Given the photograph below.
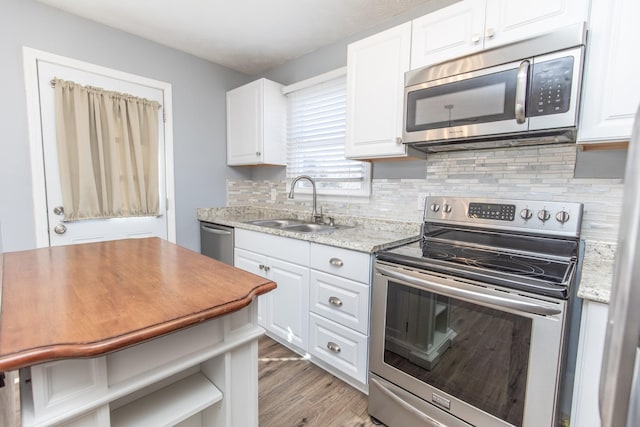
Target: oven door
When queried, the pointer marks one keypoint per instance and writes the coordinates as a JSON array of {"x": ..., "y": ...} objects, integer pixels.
[{"x": 481, "y": 355}]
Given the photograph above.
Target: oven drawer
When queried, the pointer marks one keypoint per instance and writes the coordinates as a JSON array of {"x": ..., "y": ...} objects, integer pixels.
[
  {"x": 396, "y": 407},
  {"x": 340, "y": 347},
  {"x": 341, "y": 300},
  {"x": 341, "y": 262}
]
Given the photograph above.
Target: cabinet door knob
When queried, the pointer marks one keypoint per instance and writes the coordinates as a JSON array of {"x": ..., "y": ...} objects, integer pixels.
[
  {"x": 333, "y": 347},
  {"x": 398, "y": 140},
  {"x": 490, "y": 33},
  {"x": 337, "y": 262},
  {"x": 475, "y": 38},
  {"x": 258, "y": 153},
  {"x": 335, "y": 301}
]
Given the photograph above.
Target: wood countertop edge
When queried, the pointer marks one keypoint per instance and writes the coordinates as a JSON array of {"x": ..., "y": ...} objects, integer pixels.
[{"x": 61, "y": 351}]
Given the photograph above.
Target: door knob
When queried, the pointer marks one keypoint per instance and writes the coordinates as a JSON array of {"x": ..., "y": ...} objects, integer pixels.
[
  {"x": 60, "y": 229},
  {"x": 58, "y": 210}
]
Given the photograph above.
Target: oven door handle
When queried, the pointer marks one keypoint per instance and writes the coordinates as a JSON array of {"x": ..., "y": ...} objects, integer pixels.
[{"x": 468, "y": 295}]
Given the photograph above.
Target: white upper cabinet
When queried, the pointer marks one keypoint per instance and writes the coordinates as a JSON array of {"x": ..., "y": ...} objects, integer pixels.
[
  {"x": 375, "y": 93},
  {"x": 453, "y": 31},
  {"x": 472, "y": 25},
  {"x": 611, "y": 89},
  {"x": 256, "y": 124},
  {"x": 511, "y": 20}
]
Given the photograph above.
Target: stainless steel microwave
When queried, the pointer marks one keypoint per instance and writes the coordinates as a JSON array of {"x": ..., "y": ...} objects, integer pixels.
[{"x": 522, "y": 93}]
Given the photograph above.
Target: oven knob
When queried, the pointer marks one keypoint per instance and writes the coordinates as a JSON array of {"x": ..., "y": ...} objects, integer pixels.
[
  {"x": 435, "y": 207},
  {"x": 526, "y": 214},
  {"x": 544, "y": 215},
  {"x": 446, "y": 208},
  {"x": 562, "y": 217}
]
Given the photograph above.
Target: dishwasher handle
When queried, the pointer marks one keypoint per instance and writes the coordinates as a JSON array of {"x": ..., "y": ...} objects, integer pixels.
[{"x": 215, "y": 231}]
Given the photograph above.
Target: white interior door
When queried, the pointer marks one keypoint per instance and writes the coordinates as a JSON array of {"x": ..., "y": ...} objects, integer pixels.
[{"x": 84, "y": 231}]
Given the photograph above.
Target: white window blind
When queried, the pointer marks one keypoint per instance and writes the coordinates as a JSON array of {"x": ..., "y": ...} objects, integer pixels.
[{"x": 315, "y": 140}]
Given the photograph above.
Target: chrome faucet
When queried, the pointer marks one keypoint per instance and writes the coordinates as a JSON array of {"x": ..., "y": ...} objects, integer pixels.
[{"x": 314, "y": 213}]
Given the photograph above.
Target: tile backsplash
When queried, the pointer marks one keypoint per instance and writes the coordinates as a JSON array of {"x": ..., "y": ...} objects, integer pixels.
[{"x": 533, "y": 173}]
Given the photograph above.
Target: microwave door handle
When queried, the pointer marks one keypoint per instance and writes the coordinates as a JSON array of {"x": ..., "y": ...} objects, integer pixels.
[{"x": 521, "y": 91}]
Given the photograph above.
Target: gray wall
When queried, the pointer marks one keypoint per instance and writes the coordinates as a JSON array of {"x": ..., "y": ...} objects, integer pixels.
[{"x": 199, "y": 89}]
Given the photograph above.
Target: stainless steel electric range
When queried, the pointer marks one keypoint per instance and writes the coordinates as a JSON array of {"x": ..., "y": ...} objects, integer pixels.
[{"x": 470, "y": 323}]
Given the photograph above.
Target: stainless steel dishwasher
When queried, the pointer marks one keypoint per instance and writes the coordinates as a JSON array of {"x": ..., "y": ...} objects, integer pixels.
[{"x": 216, "y": 241}]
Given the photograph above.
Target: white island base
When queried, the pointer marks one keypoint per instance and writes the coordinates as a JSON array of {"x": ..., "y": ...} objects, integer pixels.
[{"x": 204, "y": 375}]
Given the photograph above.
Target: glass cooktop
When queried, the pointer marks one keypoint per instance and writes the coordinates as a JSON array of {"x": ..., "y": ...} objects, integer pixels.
[{"x": 539, "y": 265}]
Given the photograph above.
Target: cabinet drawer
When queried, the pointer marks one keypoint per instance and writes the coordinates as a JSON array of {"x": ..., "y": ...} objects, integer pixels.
[
  {"x": 291, "y": 250},
  {"x": 341, "y": 347},
  {"x": 341, "y": 300},
  {"x": 341, "y": 262}
]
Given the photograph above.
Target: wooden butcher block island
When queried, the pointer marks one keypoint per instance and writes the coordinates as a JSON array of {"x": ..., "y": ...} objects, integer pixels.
[{"x": 130, "y": 332}]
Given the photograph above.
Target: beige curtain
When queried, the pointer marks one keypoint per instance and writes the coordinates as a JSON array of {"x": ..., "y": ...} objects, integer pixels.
[{"x": 107, "y": 152}]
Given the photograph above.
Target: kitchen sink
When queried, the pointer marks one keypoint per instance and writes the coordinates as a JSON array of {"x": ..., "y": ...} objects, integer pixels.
[
  {"x": 310, "y": 228},
  {"x": 276, "y": 223},
  {"x": 296, "y": 225}
]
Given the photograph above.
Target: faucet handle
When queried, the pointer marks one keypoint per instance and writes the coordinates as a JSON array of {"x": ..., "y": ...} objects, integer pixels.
[{"x": 317, "y": 217}]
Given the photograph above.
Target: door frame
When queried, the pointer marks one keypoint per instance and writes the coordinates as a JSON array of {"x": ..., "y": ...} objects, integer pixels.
[{"x": 38, "y": 183}]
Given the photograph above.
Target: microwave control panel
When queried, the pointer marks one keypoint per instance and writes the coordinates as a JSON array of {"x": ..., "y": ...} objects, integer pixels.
[{"x": 550, "y": 89}]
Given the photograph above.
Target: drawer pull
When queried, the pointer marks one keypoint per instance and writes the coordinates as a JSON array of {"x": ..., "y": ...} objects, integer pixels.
[
  {"x": 333, "y": 347},
  {"x": 335, "y": 301},
  {"x": 336, "y": 262}
]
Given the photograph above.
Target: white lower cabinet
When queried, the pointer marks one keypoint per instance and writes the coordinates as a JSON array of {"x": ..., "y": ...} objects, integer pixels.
[
  {"x": 342, "y": 300},
  {"x": 593, "y": 328},
  {"x": 205, "y": 375},
  {"x": 340, "y": 305},
  {"x": 284, "y": 312},
  {"x": 287, "y": 306},
  {"x": 342, "y": 348},
  {"x": 321, "y": 303}
]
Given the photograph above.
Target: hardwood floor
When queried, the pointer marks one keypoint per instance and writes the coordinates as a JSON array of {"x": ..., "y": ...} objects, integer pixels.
[{"x": 294, "y": 392}]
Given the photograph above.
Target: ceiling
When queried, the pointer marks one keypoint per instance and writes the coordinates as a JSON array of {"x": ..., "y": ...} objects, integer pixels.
[{"x": 249, "y": 36}]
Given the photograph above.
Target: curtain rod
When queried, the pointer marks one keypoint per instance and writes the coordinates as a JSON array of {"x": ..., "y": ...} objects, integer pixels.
[{"x": 52, "y": 82}]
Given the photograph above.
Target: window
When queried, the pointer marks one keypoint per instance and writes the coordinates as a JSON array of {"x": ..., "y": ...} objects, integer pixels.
[{"x": 316, "y": 130}]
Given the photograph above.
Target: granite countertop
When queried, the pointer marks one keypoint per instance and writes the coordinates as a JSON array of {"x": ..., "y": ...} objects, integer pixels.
[
  {"x": 363, "y": 234},
  {"x": 372, "y": 235},
  {"x": 90, "y": 299},
  {"x": 597, "y": 271}
]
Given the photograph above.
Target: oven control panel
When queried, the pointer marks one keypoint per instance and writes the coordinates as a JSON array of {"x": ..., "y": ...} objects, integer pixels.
[
  {"x": 544, "y": 217},
  {"x": 500, "y": 212}
]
